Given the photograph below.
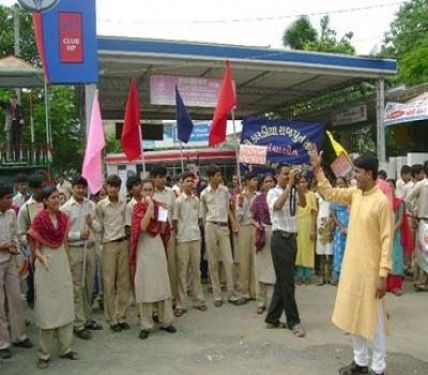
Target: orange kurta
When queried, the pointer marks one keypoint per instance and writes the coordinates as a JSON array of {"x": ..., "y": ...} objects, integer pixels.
[{"x": 367, "y": 256}]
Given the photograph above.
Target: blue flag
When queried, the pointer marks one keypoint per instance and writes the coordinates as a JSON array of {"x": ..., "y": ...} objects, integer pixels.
[{"x": 184, "y": 122}]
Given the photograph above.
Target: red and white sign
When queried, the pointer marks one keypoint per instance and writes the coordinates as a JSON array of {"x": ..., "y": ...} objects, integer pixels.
[
  {"x": 195, "y": 91},
  {"x": 251, "y": 154},
  {"x": 414, "y": 110},
  {"x": 71, "y": 43}
]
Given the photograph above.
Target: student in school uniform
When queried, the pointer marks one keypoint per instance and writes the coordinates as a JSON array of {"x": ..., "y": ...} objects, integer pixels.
[
  {"x": 186, "y": 224},
  {"x": 115, "y": 265}
]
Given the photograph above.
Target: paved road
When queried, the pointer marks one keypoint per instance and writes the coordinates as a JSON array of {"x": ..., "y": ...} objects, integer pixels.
[{"x": 233, "y": 340}]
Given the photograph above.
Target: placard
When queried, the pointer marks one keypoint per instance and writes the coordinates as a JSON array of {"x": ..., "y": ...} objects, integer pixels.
[
  {"x": 251, "y": 154},
  {"x": 341, "y": 166}
]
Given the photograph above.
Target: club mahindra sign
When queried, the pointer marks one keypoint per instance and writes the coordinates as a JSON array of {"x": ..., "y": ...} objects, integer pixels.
[{"x": 37, "y": 5}]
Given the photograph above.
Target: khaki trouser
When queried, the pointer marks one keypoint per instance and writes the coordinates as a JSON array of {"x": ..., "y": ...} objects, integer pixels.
[
  {"x": 189, "y": 253},
  {"x": 247, "y": 264},
  {"x": 48, "y": 337},
  {"x": 262, "y": 298},
  {"x": 164, "y": 310},
  {"x": 9, "y": 283},
  {"x": 218, "y": 248},
  {"x": 172, "y": 266},
  {"x": 82, "y": 298},
  {"x": 115, "y": 268}
]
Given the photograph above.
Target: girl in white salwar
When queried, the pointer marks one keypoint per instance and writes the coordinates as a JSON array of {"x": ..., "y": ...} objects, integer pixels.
[
  {"x": 148, "y": 264},
  {"x": 54, "y": 306}
]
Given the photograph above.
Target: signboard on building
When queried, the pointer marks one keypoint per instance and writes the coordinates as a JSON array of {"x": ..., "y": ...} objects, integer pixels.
[
  {"x": 351, "y": 115},
  {"x": 195, "y": 91},
  {"x": 414, "y": 110}
]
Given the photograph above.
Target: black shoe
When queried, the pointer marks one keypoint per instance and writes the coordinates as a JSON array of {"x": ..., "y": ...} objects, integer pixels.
[
  {"x": 124, "y": 326},
  {"x": 354, "y": 369},
  {"x": 371, "y": 372},
  {"x": 116, "y": 328},
  {"x": 238, "y": 302},
  {"x": 5, "y": 353},
  {"x": 27, "y": 344},
  {"x": 93, "y": 326},
  {"x": 218, "y": 303},
  {"x": 83, "y": 334},
  {"x": 143, "y": 334},
  {"x": 277, "y": 324},
  {"x": 169, "y": 329}
]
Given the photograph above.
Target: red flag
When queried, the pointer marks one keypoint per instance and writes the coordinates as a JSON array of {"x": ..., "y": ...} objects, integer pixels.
[
  {"x": 226, "y": 102},
  {"x": 130, "y": 138}
]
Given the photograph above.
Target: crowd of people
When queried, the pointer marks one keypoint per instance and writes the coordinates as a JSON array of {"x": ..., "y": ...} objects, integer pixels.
[{"x": 157, "y": 246}]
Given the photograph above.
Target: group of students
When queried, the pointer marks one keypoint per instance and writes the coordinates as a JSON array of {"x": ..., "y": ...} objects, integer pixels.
[{"x": 150, "y": 249}]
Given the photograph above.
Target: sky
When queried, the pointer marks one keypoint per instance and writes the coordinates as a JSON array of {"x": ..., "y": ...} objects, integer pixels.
[{"x": 242, "y": 22}]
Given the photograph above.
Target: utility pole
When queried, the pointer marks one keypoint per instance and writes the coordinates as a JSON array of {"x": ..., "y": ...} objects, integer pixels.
[{"x": 17, "y": 38}]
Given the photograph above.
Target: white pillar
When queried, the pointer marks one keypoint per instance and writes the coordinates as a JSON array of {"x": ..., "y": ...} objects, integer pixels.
[
  {"x": 89, "y": 99},
  {"x": 380, "y": 128}
]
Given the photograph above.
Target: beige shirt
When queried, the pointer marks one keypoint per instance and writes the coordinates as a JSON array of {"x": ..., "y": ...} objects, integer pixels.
[
  {"x": 65, "y": 188},
  {"x": 77, "y": 213},
  {"x": 417, "y": 200},
  {"x": 8, "y": 232},
  {"x": 112, "y": 219},
  {"x": 129, "y": 211},
  {"x": 215, "y": 204},
  {"x": 186, "y": 213},
  {"x": 243, "y": 213},
  {"x": 167, "y": 197},
  {"x": 26, "y": 215}
]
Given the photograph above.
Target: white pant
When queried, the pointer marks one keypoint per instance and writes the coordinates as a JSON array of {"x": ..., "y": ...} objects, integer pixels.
[{"x": 378, "y": 346}]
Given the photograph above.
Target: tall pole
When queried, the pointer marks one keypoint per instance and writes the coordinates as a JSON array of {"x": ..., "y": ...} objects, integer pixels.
[
  {"x": 17, "y": 38},
  {"x": 238, "y": 171},
  {"x": 380, "y": 110},
  {"x": 181, "y": 157},
  {"x": 142, "y": 150}
]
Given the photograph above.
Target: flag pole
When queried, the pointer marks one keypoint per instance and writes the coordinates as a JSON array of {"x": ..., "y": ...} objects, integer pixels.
[
  {"x": 181, "y": 157},
  {"x": 238, "y": 171},
  {"x": 142, "y": 151}
]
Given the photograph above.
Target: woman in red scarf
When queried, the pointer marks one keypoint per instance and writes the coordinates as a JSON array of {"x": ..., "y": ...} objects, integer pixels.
[
  {"x": 396, "y": 277},
  {"x": 148, "y": 263},
  {"x": 54, "y": 307}
]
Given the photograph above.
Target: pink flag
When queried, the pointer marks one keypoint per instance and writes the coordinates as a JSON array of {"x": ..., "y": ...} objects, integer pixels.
[{"x": 92, "y": 168}]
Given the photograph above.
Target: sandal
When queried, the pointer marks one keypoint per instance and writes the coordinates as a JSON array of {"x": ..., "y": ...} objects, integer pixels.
[
  {"x": 202, "y": 307},
  {"x": 178, "y": 312},
  {"x": 261, "y": 310},
  {"x": 74, "y": 356},
  {"x": 42, "y": 364}
]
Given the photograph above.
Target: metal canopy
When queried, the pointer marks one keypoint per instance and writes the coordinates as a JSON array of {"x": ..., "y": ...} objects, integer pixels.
[
  {"x": 265, "y": 78},
  {"x": 17, "y": 73}
]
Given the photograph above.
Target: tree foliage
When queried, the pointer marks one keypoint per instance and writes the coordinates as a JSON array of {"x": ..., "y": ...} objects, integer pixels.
[
  {"x": 329, "y": 42},
  {"x": 299, "y": 33},
  {"x": 67, "y": 141},
  {"x": 407, "y": 41},
  {"x": 302, "y": 35}
]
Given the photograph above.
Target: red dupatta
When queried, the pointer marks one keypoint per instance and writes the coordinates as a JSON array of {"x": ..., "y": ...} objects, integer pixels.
[
  {"x": 44, "y": 232},
  {"x": 154, "y": 228},
  {"x": 406, "y": 233}
]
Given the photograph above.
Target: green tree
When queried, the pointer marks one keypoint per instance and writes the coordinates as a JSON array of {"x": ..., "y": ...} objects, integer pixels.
[
  {"x": 407, "y": 41},
  {"x": 66, "y": 136},
  {"x": 302, "y": 35},
  {"x": 299, "y": 33},
  {"x": 328, "y": 41}
]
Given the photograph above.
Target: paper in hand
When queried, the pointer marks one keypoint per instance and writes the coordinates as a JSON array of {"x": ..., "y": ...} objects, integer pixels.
[{"x": 162, "y": 215}]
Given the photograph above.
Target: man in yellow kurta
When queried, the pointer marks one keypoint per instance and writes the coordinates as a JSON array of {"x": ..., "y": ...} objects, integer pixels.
[{"x": 367, "y": 261}]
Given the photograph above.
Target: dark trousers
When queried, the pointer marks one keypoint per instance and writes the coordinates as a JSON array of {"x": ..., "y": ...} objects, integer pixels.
[
  {"x": 15, "y": 139},
  {"x": 30, "y": 286},
  {"x": 283, "y": 299}
]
